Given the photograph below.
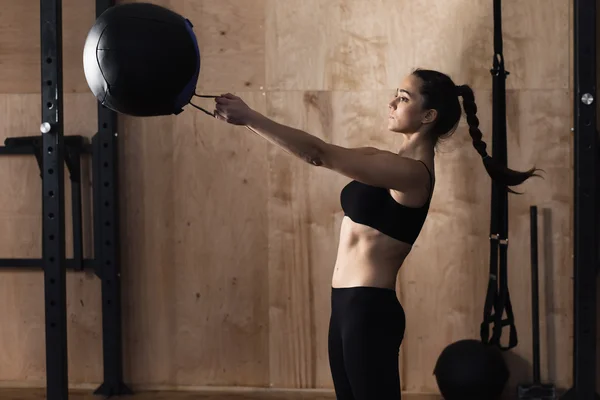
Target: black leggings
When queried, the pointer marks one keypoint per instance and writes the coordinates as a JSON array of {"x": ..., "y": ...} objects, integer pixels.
[{"x": 366, "y": 329}]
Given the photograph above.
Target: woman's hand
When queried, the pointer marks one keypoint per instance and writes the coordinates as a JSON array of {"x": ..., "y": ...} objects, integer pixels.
[{"x": 232, "y": 109}]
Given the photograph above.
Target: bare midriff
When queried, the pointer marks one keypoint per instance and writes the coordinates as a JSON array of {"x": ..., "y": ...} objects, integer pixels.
[{"x": 366, "y": 257}]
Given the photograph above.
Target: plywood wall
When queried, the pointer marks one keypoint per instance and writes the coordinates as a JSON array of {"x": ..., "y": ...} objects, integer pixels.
[{"x": 229, "y": 243}]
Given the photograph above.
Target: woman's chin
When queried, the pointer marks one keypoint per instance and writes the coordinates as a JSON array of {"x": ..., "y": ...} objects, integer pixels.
[{"x": 393, "y": 126}]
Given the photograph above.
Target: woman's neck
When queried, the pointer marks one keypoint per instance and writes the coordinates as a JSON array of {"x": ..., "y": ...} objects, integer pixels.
[{"x": 416, "y": 146}]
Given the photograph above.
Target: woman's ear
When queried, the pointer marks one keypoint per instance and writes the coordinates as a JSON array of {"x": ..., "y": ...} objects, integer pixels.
[{"x": 430, "y": 116}]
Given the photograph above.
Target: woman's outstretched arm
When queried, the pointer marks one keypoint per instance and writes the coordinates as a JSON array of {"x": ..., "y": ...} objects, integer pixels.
[{"x": 367, "y": 164}]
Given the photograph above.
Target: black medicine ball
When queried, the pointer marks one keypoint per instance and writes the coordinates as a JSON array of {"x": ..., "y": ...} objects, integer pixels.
[
  {"x": 471, "y": 370},
  {"x": 141, "y": 59}
]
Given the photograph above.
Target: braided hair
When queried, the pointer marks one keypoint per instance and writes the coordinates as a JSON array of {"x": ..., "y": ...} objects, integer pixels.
[{"x": 440, "y": 93}]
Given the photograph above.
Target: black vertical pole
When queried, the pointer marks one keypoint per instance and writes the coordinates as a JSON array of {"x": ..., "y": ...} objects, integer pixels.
[
  {"x": 107, "y": 242},
  {"x": 73, "y": 160},
  {"x": 107, "y": 251},
  {"x": 586, "y": 234},
  {"x": 53, "y": 206},
  {"x": 535, "y": 317}
]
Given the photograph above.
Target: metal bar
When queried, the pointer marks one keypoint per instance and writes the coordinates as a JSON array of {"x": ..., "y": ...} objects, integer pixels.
[
  {"x": 39, "y": 263},
  {"x": 30, "y": 149},
  {"x": 76, "y": 205},
  {"x": 23, "y": 141},
  {"x": 53, "y": 206},
  {"x": 107, "y": 249},
  {"x": 586, "y": 234},
  {"x": 108, "y": 252},
  {"x": 535, "y": 317},
  {"x": 21, "y": 150}
]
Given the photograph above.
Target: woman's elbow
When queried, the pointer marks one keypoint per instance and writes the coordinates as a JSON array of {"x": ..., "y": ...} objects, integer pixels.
[{"x": 320, "y": 156}]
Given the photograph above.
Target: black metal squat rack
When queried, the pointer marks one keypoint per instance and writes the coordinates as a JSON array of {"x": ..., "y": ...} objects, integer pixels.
[{"x": 53, "y": 150}]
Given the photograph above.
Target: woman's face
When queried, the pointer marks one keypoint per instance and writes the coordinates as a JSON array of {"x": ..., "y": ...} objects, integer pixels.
[{"x": 405, "y": 110}]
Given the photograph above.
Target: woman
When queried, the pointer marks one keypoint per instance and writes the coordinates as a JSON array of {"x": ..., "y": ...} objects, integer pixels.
[{"x": 385, "y": 206}]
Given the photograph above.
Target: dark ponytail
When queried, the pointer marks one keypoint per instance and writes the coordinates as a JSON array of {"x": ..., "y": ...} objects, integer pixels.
[
  {"x": 440, "y": 93},
  {"x": 498, "y": 172}
]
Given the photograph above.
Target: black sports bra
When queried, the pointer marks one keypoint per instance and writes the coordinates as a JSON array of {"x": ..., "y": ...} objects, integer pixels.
[{"x": 375, "y": 207}]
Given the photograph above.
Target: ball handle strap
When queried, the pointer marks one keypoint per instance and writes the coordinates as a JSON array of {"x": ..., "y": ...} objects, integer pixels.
[{"x": 200, "y": 108}]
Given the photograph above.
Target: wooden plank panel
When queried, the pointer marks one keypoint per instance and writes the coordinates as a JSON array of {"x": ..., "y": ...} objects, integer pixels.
[
  {"x": 373, "y": 52},
  {"x": 287, "y": 44},
  {"x": 195, "y": 265},
  {"x": 571, "y": 44},
  {"x": 20, "y": 45},
  {"x": 212, "y": 214},
  {"x": 304, "y": 221},
  {"x": 231, "y": 37},
  {"x": 292, "y": 289},
  {"x": 444, "y": 281},
  {"x": 307, "y": 50},
  {"x": 535, "y": 35}
]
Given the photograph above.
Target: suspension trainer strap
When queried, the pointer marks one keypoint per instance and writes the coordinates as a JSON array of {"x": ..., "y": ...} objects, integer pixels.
[{"x": 498, "y": 296}]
